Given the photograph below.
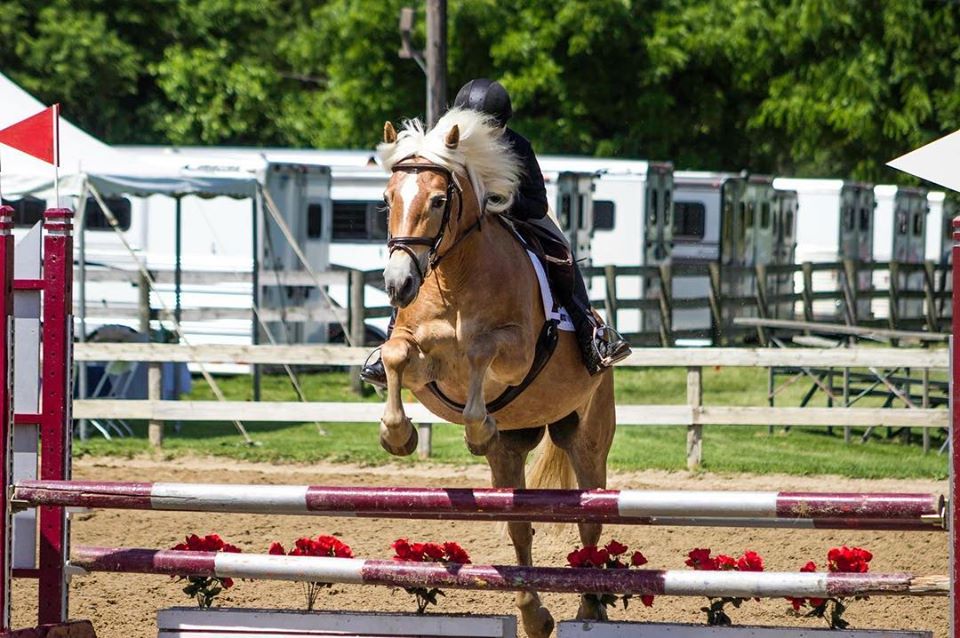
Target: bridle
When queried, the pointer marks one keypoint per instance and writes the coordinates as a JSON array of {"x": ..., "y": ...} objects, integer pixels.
[{"x": 406, "y": 243}]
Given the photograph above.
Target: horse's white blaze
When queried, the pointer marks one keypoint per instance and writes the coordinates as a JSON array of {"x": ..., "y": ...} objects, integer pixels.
[{"x": 408, "y": 192}]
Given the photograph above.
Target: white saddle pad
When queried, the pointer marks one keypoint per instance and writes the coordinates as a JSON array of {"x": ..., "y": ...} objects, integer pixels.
[{"x": 551, "y": 309}]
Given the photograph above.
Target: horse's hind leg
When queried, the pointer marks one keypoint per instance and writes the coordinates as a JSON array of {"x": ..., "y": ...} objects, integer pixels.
[
  {"x": 587, "y": 442},
  {"x": 507, "y": 457}
]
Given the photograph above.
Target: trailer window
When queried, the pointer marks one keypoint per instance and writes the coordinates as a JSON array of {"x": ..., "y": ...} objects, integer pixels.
[
  {"x": 849, "y": 221},
  {"x": 667, "y": 208},
  {"x": 27, "y": 211},
  {"x": 788, "y": 224},
  {"x": 917, "y": 224},
  {"x": 652, "y": 207},
  {"x": 765, "y": 215},
  {"x": 864, "y": 219},
  {"x": 97, "y": 219},
  {"x": 603, "y": 214},
  {"x": 689, "y": 221},
  {"x": 358, "y": 221},
  {"x": 314, "y": 221},
  {"x": 751, "y": 215}
]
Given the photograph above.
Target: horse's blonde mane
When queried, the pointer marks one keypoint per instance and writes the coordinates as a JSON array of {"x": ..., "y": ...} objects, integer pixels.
[{"x": 482, "y": 154}]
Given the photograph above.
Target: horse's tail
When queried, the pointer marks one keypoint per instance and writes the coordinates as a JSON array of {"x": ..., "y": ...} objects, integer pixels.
[{"x": 551, "y": 467}]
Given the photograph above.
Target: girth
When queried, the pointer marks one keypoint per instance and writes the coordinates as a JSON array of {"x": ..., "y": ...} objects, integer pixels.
[{"x": 546, "y": 344}]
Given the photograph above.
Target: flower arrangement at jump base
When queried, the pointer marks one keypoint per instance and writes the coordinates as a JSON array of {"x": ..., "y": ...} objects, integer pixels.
[
  {"x": 319, "y": 546},
  {"x": 839, "y": 559},
  {"x": 701, "y": 559},
  {"x": 205, "y": 588},
  {"x": 447, "y": 553},
  {"x": 611, "y": 556}
]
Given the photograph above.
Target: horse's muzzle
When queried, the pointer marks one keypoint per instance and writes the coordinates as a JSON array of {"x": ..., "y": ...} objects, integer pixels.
[{"x": 402, "y": 295}]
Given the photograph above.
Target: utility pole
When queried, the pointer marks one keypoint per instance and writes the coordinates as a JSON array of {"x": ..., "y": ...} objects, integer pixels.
[
  {"x": 433, "y": 59},
  {"x": 436, "y": 60}
]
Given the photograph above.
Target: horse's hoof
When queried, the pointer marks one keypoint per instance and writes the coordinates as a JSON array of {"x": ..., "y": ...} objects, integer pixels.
[
  {"x": 538, "y": 623},
  {"x": 404, "y": 450},
  {"x": 482, "y": 449},
  {"x": 591, "y": 609}
]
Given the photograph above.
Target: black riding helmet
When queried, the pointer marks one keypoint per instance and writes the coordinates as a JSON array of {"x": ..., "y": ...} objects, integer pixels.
[{"x": 486, "y": 96}]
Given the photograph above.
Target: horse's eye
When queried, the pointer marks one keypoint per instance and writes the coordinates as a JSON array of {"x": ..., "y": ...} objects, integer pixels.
[{"x": 438, "y": 201}]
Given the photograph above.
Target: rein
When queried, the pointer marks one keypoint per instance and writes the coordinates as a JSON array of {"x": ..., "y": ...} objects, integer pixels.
[{"x": 406, "y": 243}]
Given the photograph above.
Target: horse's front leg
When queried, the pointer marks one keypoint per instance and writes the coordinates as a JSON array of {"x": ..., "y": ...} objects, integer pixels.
[
  {"x": 480, "y": 429},
  {"x": 397, "y": 434}
]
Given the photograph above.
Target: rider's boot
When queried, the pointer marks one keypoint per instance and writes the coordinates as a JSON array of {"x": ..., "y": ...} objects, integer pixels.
[
  {"x": 374, "y": 372},
  {"x": 600, "y": 345}
]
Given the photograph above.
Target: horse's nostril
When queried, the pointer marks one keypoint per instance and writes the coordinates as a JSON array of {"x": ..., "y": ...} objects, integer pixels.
[{"x": 407, "y": 287}]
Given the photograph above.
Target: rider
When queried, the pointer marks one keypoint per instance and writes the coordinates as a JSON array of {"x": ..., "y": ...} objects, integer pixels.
[{"x": 600, "y": 345}]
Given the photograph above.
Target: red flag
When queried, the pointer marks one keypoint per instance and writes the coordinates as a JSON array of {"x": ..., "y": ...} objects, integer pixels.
[{"x": 38, "y": 135}]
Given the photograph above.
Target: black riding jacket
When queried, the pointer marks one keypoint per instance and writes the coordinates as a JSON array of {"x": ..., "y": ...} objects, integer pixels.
[{"x": 530, "y": 201}]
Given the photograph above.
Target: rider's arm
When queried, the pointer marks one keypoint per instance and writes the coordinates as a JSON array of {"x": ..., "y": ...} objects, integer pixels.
[{"x": 531, "y": 198}]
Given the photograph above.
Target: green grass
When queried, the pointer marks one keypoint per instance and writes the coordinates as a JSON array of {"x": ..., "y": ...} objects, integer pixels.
[{"x": 726, "y": 448}]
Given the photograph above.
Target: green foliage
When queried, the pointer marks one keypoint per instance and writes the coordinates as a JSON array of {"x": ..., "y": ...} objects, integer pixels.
[{"x": 805, "y": 87}]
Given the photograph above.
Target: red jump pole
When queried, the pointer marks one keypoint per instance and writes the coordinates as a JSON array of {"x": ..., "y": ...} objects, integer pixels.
[
  {"x": 954, "y": 514},
  {"x": 6, "y": 410},
  {"x": 55, "y": 421}
]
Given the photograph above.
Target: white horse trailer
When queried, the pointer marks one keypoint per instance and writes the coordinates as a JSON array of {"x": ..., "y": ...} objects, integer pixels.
[
  {"x": 632, "y": 225},
  {"x": 900, "y": 236},
  {"x": 730, "y": 220},
  {"x": 835, "y": 221}
]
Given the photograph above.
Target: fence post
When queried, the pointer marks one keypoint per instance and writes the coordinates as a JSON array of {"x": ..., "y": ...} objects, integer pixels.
[
  {"x": 143, "y": 305},
  {"x": 666, "y": 306},
  {"x": 694, "y": 431},
  {"x": 761, "y": 294},
  {"x": 424, "y": 440},
  {"x": 357, "y": 327},
  {"x": 807, "y": 268},
  {"x": 154, "y": 385},
  {"x": 847, "y": 433},
  {"x": 925, "y": 403},
  {"x": 716, "y": 303},
  {"x": 610, "y": 296},
  {"x": 848, "y": 284},
  {"x": 894, "y": 297},
  {"x": 928, "y": 293}
]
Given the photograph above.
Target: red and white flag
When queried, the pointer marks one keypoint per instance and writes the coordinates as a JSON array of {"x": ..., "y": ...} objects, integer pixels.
[{"x": 38, "y": 135}]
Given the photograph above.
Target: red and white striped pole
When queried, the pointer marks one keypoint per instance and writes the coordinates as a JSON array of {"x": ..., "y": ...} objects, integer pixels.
[
  {"x": 6, "y": 411},
  {"x": 505, "y": 577},
  {"x": 836, "y": 510},
  {"x": 55, "y": 421},
  {"x": 954, "y": 514}
]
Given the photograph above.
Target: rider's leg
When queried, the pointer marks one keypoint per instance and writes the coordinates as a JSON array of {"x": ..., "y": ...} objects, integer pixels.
[
  {"x": 600, "y": 345},
  {"x": 374, "y": 373}
]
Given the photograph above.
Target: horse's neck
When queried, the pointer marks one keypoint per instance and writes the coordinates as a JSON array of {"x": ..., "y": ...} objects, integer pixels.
[{"x": 490, "y": 263}]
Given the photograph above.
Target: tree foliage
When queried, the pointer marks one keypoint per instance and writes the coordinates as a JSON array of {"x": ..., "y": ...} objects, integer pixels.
[{"x": 805, "y": 87}]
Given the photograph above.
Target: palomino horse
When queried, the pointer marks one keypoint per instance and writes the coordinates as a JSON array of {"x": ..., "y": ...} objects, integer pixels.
[{"x": 470, "y": 313}]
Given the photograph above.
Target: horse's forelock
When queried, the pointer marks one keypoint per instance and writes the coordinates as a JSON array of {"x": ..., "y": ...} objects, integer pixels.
[{"x": 482, "y": 153}]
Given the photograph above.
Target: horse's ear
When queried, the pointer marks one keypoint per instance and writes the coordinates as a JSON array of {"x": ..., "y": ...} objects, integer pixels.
[
  {"x": 453, "y": 137},
  {"x": 389, "y": 133}
]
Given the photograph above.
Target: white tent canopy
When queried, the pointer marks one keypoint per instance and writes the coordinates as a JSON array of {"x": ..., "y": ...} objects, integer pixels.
[{"x": 83, "y": 158}]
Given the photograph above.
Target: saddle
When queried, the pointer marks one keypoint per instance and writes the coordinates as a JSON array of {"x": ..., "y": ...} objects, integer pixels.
[{"x": 554, "y": 255}]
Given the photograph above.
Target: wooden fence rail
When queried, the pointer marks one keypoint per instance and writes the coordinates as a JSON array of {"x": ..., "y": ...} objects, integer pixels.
[{"x": 693, "y": 414}]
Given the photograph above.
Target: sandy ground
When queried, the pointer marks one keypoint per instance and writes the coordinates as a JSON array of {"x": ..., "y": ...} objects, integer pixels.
[{"x": 123, "y": 606}]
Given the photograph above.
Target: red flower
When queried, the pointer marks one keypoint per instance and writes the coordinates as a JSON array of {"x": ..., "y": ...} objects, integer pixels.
[
  {"x": 725, "y": 563},
  {"x": 750, "y": 562},
  {"x": 809, "y": 567},
  {"x": 700, "y": 559},
  {"x": 226, "y": 582},
  {"x": 615, "y": 549},
  {"x": 433, "y": 551},
  {"x": 647, "y": 600},
  {"x": 578, "y": 558},
  {"x": 797, "y": 603},
  {"x": 849, "y": 559},
  {"x": 277, "y": 548},
  {"x": 209, "y": 543},
  {"x": 598, "y": 557},
  {"x": 455, "y": 553},
  {"x": 639, "y": 559},
  {"x": 405, "y": 551}
]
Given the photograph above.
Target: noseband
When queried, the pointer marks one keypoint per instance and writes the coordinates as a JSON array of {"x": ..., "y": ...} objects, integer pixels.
[{"x": 406, "y": 243}]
